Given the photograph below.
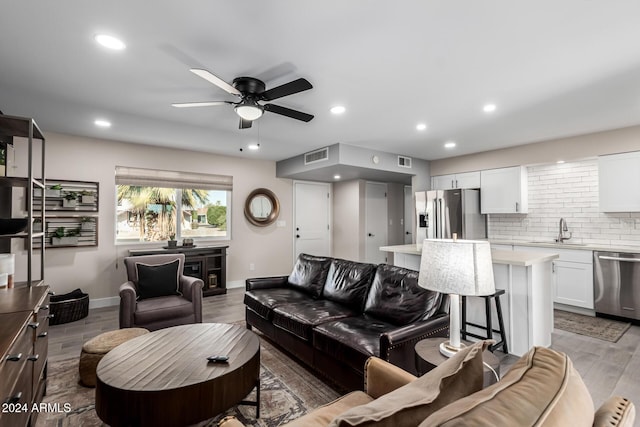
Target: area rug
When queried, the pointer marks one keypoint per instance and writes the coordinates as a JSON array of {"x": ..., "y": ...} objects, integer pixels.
[
  {"x": 287, "y": 392},
  {"x": 595, "y": 327}
]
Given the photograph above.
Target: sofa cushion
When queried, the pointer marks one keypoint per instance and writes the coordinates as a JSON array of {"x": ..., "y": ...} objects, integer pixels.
[
  {"x": 310, "y": 274},
  {"x": 395, "y": 296},
  {"x": 158, "y": 280},
  {"x": 263, "y": 301},
  {"x": 299, "y": 318},
  {"x": 351, "y": 340},
  {"x": 157, "y": 309},
  {"x": 408, "y": 405},
  {"x": 348, "y": 283},
  {"x": 542, "y": 384},
  {"x": 323, "y": 415}
]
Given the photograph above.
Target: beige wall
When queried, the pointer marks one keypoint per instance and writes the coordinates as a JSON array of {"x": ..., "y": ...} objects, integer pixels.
[
  {"x": 99, "y": 270},
  {"x": 567, "y": 149}
]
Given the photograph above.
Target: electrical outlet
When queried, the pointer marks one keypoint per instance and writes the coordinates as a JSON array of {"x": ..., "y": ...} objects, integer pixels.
[{"x": 252, "y": 267}]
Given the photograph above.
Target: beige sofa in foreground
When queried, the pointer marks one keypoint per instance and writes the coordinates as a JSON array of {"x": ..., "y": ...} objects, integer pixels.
[{"x": 541, "y": 389}]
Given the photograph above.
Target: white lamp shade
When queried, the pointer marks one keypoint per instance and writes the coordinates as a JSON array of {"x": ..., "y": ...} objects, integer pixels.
[
  {"x": 249, "y": 112},
  {"x": 461, "y": 267}
]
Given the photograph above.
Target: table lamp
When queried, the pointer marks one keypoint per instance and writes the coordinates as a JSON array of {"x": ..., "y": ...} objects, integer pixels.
[{"x": 456, "y": 267}]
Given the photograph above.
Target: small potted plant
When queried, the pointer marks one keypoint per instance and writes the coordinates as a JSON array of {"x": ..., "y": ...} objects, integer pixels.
[
  {"x": 172, "y": 242},
  {"x": 53, "y": 191},
  {"x": 70, "y": 199},
  {"x": 62, "y": 237},
  {"x": 87, "y": 197},
  {"x": 87, "y": 224}
]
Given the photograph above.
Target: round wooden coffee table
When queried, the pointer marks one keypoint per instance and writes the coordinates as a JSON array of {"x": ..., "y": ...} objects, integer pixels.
[{"x": 164, "y": 378}]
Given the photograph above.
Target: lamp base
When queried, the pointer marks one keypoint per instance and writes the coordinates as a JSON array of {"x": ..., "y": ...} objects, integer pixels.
[{"x": 448, "y": 350}]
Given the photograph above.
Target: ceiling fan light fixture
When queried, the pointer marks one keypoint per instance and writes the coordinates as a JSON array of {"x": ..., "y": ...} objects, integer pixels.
[{"x": 249, "y": 110}]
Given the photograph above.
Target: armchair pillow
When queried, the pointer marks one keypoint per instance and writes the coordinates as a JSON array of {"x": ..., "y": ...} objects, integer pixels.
[
  {"x": 457, "y": 377},
  {"x": 158, "y": 280}
]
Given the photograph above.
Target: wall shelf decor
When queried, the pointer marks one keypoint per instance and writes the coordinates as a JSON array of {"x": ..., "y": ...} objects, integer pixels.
[
  {"x": 68, "y": 196},
  {"x": 69, "y": 231}
]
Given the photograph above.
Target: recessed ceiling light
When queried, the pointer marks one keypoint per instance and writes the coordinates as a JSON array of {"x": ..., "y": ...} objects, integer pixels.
[
  {"x": 102, "y": 123},
  {"x": 336, "y": 176},
  {"x": 253, "y": 146},
  {"x": 489, "y": 108},
  {"x": 110, "y": 42},
  {"x": 560, "y": 162},
  {"x": 338, "y": 109},
  {"x": 449, "y": 144},
  {"x": 421, "y": 126}
]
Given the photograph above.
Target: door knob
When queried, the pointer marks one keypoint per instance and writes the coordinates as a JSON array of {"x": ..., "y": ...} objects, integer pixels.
[
  {"x": 407, "y": 232},
  {"x": 371, "y": 235},
  {"x": 297, "y": 236}
]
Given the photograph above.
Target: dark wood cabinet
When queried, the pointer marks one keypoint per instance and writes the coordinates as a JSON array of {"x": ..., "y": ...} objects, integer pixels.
[
  {"x": 24, "y": 315},
  {"x": 208, "y": 263}
]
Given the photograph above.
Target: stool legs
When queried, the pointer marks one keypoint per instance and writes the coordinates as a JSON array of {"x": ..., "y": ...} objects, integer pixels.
[{"x": 489, "y": 321}]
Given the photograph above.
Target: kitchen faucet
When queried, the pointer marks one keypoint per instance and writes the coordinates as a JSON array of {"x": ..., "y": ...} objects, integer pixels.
[{"x": 563, "y": 229}]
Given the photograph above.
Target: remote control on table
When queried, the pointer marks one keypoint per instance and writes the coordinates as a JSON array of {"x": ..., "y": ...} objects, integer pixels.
[{"x": 218, "y": 359}]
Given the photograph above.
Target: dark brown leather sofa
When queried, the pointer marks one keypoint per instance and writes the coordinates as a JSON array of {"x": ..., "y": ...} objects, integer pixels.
[{"x": 333, "y": 314}]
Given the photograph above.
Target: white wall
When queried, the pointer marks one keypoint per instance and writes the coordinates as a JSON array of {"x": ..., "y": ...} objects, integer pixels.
[
  {"x": 346, "y": 220},
  {"x": 99, "y": 270},
  {"x": 568, "y": 190}
]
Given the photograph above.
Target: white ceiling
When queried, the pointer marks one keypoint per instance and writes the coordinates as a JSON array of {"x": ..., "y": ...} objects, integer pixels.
[{"x": 553, "y": 68}]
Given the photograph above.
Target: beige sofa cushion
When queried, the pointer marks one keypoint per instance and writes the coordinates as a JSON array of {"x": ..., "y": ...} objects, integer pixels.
[
  {"x": 540, "y": 389},
  {"x": 408, "y": 405},
  {"x": 323, "y": 415}
]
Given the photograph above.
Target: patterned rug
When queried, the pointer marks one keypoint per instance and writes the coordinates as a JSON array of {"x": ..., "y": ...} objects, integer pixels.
[
  {"x": 287, "y": 391},
  {"x": 595, "y": 327}
]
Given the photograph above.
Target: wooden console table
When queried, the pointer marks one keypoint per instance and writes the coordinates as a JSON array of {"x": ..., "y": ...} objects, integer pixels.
[{"x": 208, "y": 263}]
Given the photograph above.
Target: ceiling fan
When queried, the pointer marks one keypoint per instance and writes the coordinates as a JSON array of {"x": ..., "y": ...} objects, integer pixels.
[{"x": 250, "y": 91}]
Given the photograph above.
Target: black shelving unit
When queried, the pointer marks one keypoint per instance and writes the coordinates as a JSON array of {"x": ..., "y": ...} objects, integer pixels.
[{"x": 15, "y": 131}]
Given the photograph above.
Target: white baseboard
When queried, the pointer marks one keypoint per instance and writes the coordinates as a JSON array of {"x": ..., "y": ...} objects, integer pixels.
[
  {"x": 235, "y": 284},
  {"x": 104, "y": 302}
]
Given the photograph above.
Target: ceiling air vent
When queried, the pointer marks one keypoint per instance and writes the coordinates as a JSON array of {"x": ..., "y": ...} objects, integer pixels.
[
  {"x": 404, "y": 162},
  {"x": 316, "y": 156}
]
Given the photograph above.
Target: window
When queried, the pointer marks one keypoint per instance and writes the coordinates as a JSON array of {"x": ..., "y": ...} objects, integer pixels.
[{"x": 155, "y": 205}]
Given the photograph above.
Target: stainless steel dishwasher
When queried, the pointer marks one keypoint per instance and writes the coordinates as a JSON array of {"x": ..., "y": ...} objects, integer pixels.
[{"x": 616, "y": 278}]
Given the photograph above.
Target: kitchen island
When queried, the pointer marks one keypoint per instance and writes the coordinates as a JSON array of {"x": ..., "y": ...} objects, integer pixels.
[{"x": 527, "y": 304}]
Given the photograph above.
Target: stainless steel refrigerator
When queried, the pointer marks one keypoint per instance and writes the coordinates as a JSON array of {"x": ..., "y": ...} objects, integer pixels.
[{"x": 440, "y": 213}]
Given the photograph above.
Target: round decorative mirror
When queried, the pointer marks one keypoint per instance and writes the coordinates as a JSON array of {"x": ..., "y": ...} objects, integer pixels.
[{"x": 262, "y": 207}]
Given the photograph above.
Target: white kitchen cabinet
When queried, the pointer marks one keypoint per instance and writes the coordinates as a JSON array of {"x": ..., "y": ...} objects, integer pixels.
[
  {"x": 572, "y": 275},
  {"x": 618, "y": 177},
  {"x": 458, "y": 180},
  {"x": 504, "y": 190}
]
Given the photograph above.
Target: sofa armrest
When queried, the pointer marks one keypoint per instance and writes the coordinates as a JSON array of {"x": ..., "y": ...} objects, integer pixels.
[
  {"x": 266, "y": 282},
  {"x": 398, "y": 346},
  {"x": 615, "y": 411},
  {"x": 230, "y": 421},
  {"x": 127, "y": 304},
  {"x": 381, "y": 377},
  {"x": 191, "y": 287}
]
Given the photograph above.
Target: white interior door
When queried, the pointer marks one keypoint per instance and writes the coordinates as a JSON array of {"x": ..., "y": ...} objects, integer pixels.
[
  {"x": 312, "y": 218},
  {"x": 409, "y": 211},
  {"x": 375, "y": 194}
]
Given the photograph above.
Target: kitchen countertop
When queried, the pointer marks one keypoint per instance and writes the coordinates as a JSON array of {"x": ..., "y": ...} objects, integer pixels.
[
  {"x": 521, "y": 258},
  {"x": 570, "y": 245}
]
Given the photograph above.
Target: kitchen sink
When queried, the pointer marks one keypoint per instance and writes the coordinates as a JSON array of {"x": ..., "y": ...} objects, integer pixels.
[{"x": 559, "y": 244}]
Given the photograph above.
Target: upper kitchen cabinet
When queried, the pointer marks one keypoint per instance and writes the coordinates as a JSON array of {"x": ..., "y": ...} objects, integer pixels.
[
  {"x": 504, "y": 190},
  {"x": 458, "y": 180},
  {"x": 617, "y": 174}
]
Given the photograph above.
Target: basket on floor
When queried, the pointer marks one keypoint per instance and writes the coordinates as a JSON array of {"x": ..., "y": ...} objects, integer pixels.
[{"x": 69, "y": 307}]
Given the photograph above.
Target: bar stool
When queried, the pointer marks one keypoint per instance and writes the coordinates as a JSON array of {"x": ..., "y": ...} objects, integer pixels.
[{"x": 489, "y": 327}]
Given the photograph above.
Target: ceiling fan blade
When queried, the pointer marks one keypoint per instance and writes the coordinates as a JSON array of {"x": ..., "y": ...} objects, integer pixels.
[
  {"x": 245, "y": 124},
  {"x": 298, "y": 115},
  {"x": 200, "y": 104},
  {"x": 286, "y": 89},
  {"x": 215, "y": 80}
]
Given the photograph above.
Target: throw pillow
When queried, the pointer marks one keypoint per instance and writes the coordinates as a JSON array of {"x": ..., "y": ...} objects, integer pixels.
[
  {"x": 457, "y": 377},
  {"x": 541, "y": 389},
  {"x": 157, "y": 280}
]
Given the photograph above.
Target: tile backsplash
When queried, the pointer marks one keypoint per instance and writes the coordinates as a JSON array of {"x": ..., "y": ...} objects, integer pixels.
[{"x": 569, "y": 191}]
